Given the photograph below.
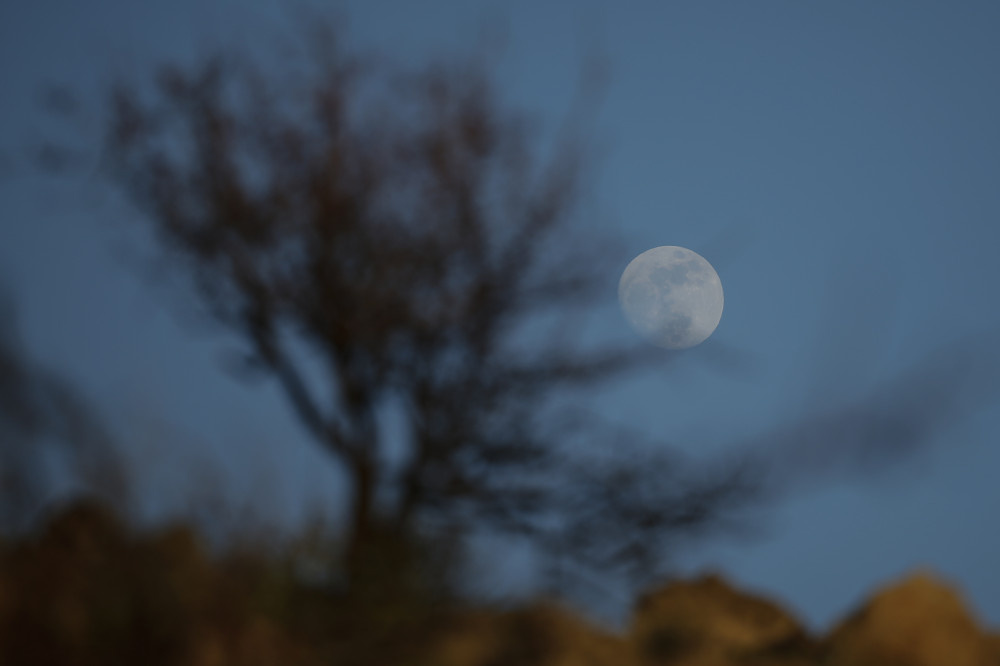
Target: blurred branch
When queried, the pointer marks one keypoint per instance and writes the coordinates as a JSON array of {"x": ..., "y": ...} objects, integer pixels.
[
  {"x": 893, "y": 422},
  {"x": 42, "y": 415}
]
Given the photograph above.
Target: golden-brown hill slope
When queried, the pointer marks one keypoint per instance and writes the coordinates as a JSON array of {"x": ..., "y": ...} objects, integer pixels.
[{"x": 87, "y": 591}]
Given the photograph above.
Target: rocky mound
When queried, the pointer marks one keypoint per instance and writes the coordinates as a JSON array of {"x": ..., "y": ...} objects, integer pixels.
[
  {"x": 919, "y": 621},
  {"x": 706, "y": 621}
]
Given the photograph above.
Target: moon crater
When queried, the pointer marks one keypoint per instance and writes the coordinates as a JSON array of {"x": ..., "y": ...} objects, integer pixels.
[{"x": 671, "y": 296}]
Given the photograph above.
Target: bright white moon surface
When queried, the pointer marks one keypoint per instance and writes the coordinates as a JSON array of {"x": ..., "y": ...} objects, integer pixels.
[{"x": 671, "y": 296}]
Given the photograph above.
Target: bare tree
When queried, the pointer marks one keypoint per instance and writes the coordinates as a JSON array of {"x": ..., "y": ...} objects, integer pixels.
[{"x": 375, "y": 236}]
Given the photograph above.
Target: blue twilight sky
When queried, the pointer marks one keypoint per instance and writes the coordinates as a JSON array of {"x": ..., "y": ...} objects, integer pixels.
[{"x": 838, "y": 163}]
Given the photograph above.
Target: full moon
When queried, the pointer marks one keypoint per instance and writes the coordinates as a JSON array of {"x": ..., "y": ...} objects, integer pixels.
[{"x": 671, "y": 296}]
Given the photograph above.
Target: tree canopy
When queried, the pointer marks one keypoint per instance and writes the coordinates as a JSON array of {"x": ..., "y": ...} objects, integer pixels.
[{"x": 375, "y": 235}]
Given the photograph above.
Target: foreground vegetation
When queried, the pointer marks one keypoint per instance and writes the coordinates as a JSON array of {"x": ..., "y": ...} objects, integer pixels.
[{"x": 85, "y": 590}]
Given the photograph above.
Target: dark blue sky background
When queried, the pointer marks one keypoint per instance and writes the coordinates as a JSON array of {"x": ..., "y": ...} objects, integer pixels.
[{"x": 838, "y": 163}]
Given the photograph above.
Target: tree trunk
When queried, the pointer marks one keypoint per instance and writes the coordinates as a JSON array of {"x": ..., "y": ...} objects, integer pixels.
[{"x": 362, "y": 531}]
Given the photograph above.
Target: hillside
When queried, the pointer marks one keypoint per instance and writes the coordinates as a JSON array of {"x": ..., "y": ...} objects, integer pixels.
[{"x": 85, "y": 590}]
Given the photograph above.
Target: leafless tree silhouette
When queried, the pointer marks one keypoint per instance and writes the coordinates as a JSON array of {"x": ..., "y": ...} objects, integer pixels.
[{"x": 375, "y": 236}]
